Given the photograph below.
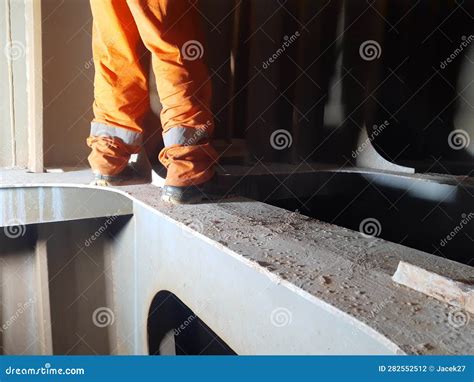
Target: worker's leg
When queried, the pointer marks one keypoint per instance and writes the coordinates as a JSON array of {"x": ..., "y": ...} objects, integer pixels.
[
  {"x": 120, "y": 87},
  {"x": 170, "y": 30}
]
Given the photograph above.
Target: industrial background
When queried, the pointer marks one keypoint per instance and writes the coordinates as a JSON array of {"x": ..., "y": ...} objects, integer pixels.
[{"x": 320, "y": 90}]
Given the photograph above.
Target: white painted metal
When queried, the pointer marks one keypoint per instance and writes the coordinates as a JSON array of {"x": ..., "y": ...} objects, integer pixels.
[{"x": 266, "y": 281}]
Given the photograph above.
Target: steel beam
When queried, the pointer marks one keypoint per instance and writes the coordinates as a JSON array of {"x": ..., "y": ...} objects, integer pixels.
[{"x": 265, "y": 280}]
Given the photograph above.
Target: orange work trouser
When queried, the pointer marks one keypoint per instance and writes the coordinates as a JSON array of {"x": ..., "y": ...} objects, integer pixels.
[{"x": 122, "y": 33}]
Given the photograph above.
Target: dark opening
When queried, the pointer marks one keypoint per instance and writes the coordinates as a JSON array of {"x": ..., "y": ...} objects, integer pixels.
[
  {"x": 172, "y": 323},
  {"x": 408, "y": 211}
]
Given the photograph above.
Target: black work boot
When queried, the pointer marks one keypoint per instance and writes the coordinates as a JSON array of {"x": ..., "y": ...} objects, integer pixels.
[
  {"x": 211, "y": 190},
  {"x": 182, "y": 195}
]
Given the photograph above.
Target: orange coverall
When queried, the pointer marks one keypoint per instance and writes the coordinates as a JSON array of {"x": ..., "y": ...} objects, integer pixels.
[{"x": 122, "y": 32}]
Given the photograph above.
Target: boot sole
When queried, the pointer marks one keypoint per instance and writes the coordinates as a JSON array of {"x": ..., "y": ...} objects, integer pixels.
[{"x": 179, "y": 201}]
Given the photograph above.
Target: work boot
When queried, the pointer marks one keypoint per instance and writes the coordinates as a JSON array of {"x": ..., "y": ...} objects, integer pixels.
[
  {"x": 190, "y": 172},
  {"x": 193, "y": 194},
  {"x": 182, "y": 195},
  {"x": 128, "y": 176},
  {"x": 115, "y": 163}
]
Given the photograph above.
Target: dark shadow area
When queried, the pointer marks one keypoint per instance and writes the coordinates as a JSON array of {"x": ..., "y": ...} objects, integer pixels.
[
  {"x": 174, "y": 329},
  {"x": 408, "y": 211},
  {"x": 426, "y": 84},
  {"x": 324, "y": 88}
]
